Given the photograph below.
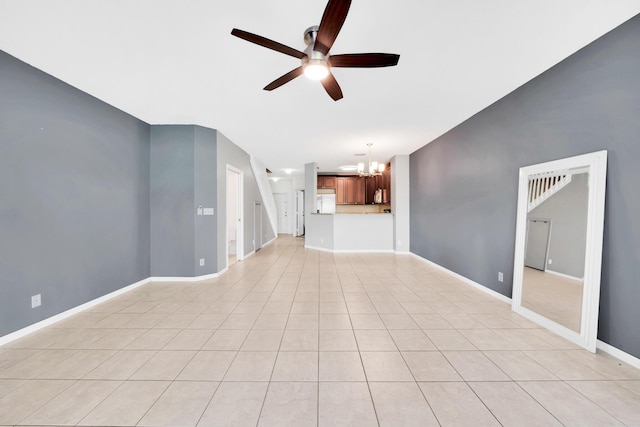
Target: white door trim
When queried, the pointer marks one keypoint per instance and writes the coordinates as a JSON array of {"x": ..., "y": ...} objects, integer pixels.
[{"x": 240, "y": 210}]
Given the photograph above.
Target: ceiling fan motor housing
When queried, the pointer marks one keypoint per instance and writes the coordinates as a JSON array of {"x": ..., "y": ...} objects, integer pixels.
[
  {"x": 313, "y": 57},
  {"x": 310, "y": 35}
]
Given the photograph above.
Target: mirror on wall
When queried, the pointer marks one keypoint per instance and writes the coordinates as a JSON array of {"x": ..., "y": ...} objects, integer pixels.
[{"x": 558, "y": 251}]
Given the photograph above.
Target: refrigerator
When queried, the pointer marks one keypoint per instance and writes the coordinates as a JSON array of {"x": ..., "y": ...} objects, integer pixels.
[{"x": 326, "y": 203}]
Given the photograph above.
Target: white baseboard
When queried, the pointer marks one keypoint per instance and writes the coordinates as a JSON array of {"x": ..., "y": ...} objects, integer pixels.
[
  {"x": 65, "y": 314},
  {"x": 263, "y": 245},
  {"x": 566, "y": 276},
  {"x": 270, "y": 241},
  {"x": 90, "y": 304},
  {"x": 350, "y": 251},
  {"x": 187, "y": 279},
  {"x": 466, "y": 280},
  {"x": 618, "y": 354},
  {"x": 360, "y": 251},
  {"x": 252, "y": 253},
  {"x": 315, "y": 248},
  {"x": 600, "y": 345}
]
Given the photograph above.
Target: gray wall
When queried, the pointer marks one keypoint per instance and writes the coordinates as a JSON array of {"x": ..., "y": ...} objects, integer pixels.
[
  {"x": 310, "y": 189},
  {"x": 183, "y": 177},
  {"x": 93, "y": 200},
  {"x": 172, "y": 201},
  {"x": 206, "y": 194},
  {"x": 567, "y": 210},
  {"x": 464, "y": 184},
  {"x": 74, "y": 196},
  {"x": 231, "y": 154}
]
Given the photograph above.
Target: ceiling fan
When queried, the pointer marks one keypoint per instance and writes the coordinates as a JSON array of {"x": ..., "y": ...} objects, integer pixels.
[{"x": 316, "y": 60}]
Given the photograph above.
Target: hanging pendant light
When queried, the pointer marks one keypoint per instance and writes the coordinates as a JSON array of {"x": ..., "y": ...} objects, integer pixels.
[{"x": 374, "y": 169}]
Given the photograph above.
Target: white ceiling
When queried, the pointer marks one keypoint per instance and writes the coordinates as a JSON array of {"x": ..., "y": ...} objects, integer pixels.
[{"x": 175, "y": 62}]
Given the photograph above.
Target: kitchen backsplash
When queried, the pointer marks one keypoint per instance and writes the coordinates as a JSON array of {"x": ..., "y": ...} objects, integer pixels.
[{"x": 362, "y": 208}]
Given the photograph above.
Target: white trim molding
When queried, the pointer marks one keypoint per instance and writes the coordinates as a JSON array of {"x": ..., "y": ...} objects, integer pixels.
[
  {"x": 269, "y": 242},
  {"x": 188, "y": 279},
  {"x": 600, "y": 345},
  {"x": 20, "y": 333},
  {"x": 618, "y": 354},
  {"x": 566, "y": 276},
  {"x": 466, "y": 280},
  {"x": 319, "y": 249},
  {"x": 352, "y": 251},
  {"x": 360, "y": 251}
]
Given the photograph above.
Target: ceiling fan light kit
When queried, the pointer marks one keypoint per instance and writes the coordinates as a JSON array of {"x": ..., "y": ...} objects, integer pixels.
[{"x": 316, "y": 63}]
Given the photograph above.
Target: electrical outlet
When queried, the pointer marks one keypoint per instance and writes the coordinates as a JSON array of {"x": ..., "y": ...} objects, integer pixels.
[
  {"x": 201, "y": 262},
  {"x": 322, "y": 240},
  {"x": 500, "y": 276},
  {"x": 550, "y": 261},
  {"x": 36, "y": 301},
  {"x": 399, "y": 242}
]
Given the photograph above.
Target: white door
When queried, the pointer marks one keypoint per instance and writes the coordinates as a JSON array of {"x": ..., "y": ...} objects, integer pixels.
[
  {"x": 538, "y": 232},
  {"x": 300, "y": 213},
  {"x": 282, "y": 206},
  {"x": 235, "y": 213},
  {"x": 232, "y": 212},
  {"x": 257, "y": 226}
]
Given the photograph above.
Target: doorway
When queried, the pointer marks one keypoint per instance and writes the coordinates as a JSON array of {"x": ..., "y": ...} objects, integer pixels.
[
  {"x": 257, "y": 226},
  {"x": 299, "y": 229},
  {"x": 234, "y": 229},
  {"x": 538, "y": 234},
  {"x": 282, "y": 206}
]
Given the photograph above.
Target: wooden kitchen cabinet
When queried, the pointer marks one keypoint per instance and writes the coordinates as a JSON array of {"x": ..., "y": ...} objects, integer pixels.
[
  {"x": 372, "y": 183},
  {"x": 360, "y": 190},
  {"x": 386, "y": 184},
  {"x": 341, "y": 191},
  {"x": 326, "y": 181},
  {"x": 350, "y": 190}
]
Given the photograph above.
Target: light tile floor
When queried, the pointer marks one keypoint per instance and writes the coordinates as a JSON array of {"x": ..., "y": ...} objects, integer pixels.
[
  {"x": 555, "y": 297},
  {"x": 294, "y": 337}
]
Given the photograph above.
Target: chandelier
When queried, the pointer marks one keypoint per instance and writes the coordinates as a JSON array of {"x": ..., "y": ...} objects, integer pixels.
[{"x": 375, "y": 168}]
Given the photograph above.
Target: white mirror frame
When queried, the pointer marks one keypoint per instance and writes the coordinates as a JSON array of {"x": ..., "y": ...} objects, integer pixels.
[{"x": 597, "y": 164}]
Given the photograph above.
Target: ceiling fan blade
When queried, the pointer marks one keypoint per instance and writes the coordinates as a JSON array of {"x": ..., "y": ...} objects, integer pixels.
[
  {"x": 364, "y": 60},
  {"x": 332, "y": 87},
  {"x": 284, "y": 79},
  {"x": 265, "y": 42},
  {"x": 332, "y": 19}
]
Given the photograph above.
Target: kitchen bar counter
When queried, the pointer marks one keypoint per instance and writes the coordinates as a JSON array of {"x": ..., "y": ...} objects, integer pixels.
[{"x": 350, "y": 232}]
